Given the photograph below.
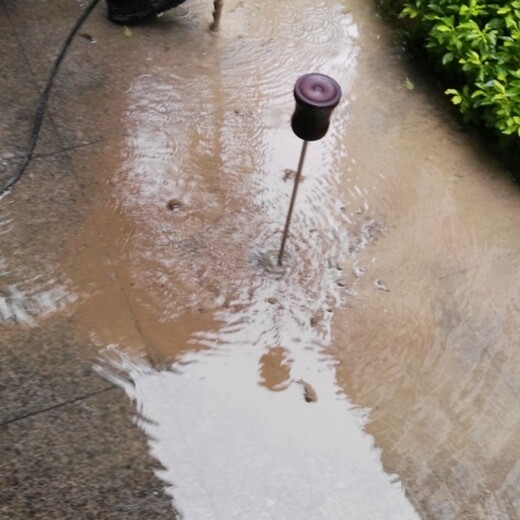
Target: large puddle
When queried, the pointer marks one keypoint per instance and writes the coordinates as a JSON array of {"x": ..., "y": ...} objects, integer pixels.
[
  {"x": 245, "y": 415},
  {"x": 376, "y": 363}
]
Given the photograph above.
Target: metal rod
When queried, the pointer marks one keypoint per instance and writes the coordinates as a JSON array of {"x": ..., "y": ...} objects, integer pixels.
[{"x": 293, "y": 199}]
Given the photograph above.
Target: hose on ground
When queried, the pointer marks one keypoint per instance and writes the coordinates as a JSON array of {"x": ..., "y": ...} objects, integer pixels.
[{"x": 43, "y": 100}]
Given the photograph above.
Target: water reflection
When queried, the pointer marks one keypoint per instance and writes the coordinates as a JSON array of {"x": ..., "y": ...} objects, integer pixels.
[
  {"x": 216, "y": 140},
  {"x": 252, "y": 424},
  {"x": 246, "y": 418}
]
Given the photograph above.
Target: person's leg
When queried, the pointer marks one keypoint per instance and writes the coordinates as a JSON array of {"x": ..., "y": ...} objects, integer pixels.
[
  {"x": 129, "y": 12},
  {"x": 217, "y": 11}
]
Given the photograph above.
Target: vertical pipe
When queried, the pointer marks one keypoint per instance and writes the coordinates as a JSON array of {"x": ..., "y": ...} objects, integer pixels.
[{"x": 293, "y": 199}]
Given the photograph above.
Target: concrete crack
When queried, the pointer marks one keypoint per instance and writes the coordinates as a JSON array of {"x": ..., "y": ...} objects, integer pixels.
[{"x": 59, "y": 405}]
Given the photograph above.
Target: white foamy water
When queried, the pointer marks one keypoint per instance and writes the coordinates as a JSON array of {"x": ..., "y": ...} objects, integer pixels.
[
  {"x": 19, "y": 305},
  {"x": 233, "y": 449}
]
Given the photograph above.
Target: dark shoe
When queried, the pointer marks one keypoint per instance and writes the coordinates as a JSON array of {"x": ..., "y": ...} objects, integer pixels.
[{"x": 131, "y": 12}]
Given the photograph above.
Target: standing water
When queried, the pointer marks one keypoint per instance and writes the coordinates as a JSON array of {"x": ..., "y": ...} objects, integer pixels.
[
  {"x": 384, "y": 357},
  {"x": 245, "y": 415}
]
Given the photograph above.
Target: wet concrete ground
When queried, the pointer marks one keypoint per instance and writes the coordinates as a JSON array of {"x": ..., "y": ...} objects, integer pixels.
[{"x": 377, "y": 378}]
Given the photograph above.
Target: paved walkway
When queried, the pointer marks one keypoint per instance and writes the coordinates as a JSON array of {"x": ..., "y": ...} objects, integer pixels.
[
  {"x": 87, "y": 253},
  {"x": 68, "y": 445}
]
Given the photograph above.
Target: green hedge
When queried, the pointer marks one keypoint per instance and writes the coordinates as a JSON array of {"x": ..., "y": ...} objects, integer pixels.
[{"x": 475, "y": 46}]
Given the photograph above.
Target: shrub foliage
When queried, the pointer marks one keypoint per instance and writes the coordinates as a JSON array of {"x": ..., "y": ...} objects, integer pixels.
[{"x": 476, "y": 46}]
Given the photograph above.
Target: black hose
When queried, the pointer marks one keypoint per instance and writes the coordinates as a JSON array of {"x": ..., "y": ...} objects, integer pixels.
[{"x": 44, "y": 98}]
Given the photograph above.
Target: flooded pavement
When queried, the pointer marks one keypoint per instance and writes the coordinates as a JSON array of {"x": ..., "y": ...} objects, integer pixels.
[
  {"x": 378, "y": 375},
  {"x": 253, "y": 424}
]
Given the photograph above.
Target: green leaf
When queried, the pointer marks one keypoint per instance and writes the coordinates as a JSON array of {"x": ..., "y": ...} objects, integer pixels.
[
  {"x": 410, "y": 12},
  {"x": 409, "y": 84},
  {"x": 447, "y": 58},
  {"x": 456, "y": 98},
  {"x": 127, "y": 32}
]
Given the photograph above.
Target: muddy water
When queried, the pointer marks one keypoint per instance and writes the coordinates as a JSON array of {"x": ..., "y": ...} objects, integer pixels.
[
  {"x": 243, "y": 409},
  {"x": 271, "y": 396},
  {"x": 377, "y": 376},
  {"x": 240, "y": 399}
]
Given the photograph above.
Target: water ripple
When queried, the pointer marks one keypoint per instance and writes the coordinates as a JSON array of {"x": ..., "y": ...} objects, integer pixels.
[{"x": 255, "y": 425}]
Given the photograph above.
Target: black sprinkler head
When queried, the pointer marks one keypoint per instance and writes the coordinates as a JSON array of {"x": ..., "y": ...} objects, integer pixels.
[{"x": 317, "y": 95}]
